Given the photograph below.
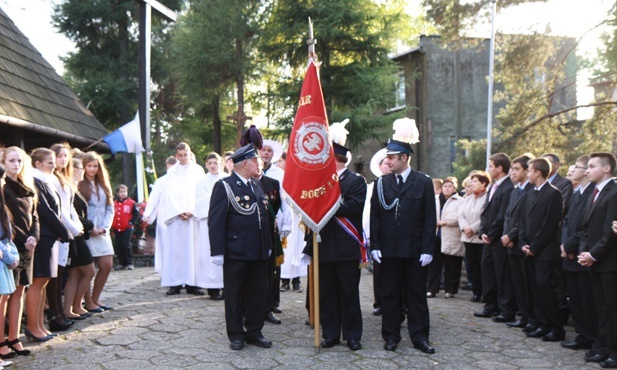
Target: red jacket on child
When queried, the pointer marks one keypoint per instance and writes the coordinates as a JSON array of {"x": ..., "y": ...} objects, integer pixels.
[{"x": 125, "y": 214}]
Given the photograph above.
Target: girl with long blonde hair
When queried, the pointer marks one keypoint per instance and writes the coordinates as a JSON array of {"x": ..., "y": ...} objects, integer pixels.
[{"x": 96, "y": 188}]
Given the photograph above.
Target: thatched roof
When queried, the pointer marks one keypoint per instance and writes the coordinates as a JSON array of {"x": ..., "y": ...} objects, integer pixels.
[{"x": 35, "y": 98}]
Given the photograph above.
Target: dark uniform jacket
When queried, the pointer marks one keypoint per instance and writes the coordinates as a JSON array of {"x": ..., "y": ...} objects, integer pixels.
[
  {"x": 513, "y": 215},
  {"x": 491, "y": 221},
  {"x": 565, "y": 187},
  {"x": 571, "y": 228},
  {"x": 540, "y": 224},
  {"x": 233, "y": 234},
  {"x": 598, "y": 237},
  {"x": 407, "y": 230},
  {"x": 336, "y": 244}
]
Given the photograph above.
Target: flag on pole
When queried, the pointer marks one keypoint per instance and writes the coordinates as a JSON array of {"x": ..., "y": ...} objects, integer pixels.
[
  {"x": 311, "y": 182},
  {"x": 126, "y": 139}
]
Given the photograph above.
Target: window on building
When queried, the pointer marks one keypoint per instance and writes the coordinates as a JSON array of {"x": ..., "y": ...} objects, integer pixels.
[{"x": 399, "y": 97}]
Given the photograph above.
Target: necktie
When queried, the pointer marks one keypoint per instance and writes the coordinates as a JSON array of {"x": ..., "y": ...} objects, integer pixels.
[
  {"x": 400, "y": 182},
  {"x": 595, "y": 194},
  {"x": 520, "y": 190}
]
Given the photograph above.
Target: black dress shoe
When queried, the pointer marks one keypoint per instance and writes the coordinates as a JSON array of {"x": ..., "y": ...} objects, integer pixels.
[
  {"x": 194, "y": 290},
  {"x": 377, "y": 311},
  {"x": 329, "y": 342},
  {"x": 538, "y": 333},
  {"x": 530, "y": 328},
  {"x": 596, "y": 357},
  {"x": 517, "y": 324},
  {"x": 236, "y": 345},
  {"x": 574, "y": 345},
  {"x": 502, "y": 318},
  {"x": 276, "y": 310},
  {"x": 424, "y": 347},
  {"x": 106, "y": 307},
  {"x": 272, "y": 319},
  {"x": 390, "y": 345},
  {"x": 554, "y": 336},
  {"x": 354, "y": 344},
  {"x": 173, "y": 290},
  {"x": 609, "y": 363},
  {"x": 95, "y": 310},
  {"x": 285, "y": 287},
  {"x": 485, "y": 313},
  {"x": 475, "y": 298},
  {"x": 60, "y": 326},
  {"x": 216, "y": 297},
  {"x": 260, "y": 342}
]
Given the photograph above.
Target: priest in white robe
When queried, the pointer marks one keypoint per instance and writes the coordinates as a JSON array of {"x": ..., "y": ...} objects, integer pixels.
[
  {"x": 179, "y": 249},
  {"x": 211, "y": 275}
]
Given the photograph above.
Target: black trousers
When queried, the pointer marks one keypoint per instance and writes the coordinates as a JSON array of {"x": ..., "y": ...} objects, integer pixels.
[
  {"x": 519, "y": 270},
  {"x": 123, "y": 247},
  {"x": 452, "y": 272},
  {"x": 604, "y": 287},
  {"x": 582, "y": 307},
  {"x": 435, "y": 268},
  {"x": 246, "y": 289},
  {"x": 404, "y": 280},
  {"x": 339, "y": 294},
  {"x": 544, "y": 295},
  {"x": 497, "y": 281},
  {"x": 473, "y": 252},
  {"x": 274, "y": 274}
]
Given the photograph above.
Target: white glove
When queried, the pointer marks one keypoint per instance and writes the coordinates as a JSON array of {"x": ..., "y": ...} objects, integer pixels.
[
  {"x": 284, "y": 234},
  {"x": 218, "y": 260},
  {"x": 376, "y": 256},
  {"x": 425, "y": 259},
  {"x": 305, "y": 259}
]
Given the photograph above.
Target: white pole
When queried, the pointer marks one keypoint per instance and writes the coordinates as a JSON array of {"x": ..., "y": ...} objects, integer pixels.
[
  {"x": 139, "y": 167},
  {"x": 489, "y": 119}
]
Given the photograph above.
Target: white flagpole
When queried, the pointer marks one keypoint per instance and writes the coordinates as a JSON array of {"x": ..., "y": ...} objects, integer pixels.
[
  {"x": 139, "y": 167},
  {"x": 489, "y": 120}
]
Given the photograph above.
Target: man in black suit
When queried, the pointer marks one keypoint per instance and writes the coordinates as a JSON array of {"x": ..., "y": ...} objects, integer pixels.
[
  {"x": 340, "y": 252},
  {"x": 578, "y": 279},
  {"x": 598, "y": 250},
  {"x": 403, "y": 222},
  {"x": 554, "y": 178},
  {"x": 517, "y": 261},
  {"x": 272, "y": 190},
  {"x": 497, "y": 289},
  {"x": 240, "y": 240},
  {"x": 539, "y": 234}
]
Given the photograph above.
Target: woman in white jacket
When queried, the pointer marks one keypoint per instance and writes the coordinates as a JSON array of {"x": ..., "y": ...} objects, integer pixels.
[
  {"x": 451, "y": 245},
  {"x": 469, "y": 223},
  {"x": 63, "y": 186}
]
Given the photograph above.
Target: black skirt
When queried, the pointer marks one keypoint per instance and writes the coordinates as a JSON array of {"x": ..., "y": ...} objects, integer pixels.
[
  {"x": 79, "y": 254},
  {"x": 42, "y": 257}
]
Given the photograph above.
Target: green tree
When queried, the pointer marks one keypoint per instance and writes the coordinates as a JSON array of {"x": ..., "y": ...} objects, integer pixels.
[{"x": 354, "y": 38}]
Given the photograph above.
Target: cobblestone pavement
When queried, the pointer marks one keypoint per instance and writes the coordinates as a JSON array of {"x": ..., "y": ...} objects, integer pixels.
[{"x": 149, "y": 330}]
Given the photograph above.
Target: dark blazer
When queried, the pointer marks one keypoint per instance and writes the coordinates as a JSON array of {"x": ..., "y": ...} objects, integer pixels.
[
  {"x": 235, "y": 235},
  {"x": 20, "y": 202},
  {"x": 539, "y": 226},
  {"x": 336, "y": 244},
  {"x": 49, "y": 214},
  {"x": 81, "y": 206},
  {"x": 571, "y": 228},
  {"x": 491, "y": 221},
  {"x": 513, "y": 215},
  {"x": 598, "y": 237},
  {"x": 409, "y": 229},
  {"x": 565, "y": 187}
]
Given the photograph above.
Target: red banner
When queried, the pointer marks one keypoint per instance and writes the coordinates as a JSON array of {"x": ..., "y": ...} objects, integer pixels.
[{"x": 310, "y": 182}]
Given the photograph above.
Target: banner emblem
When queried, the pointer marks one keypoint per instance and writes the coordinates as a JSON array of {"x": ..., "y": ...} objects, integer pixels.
[{"x": 311, "y": 142}]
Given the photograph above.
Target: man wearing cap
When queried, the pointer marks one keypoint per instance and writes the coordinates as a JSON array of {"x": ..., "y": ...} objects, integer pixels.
[
  {"x": 403, "y": 222},
  {"x": 340, "y": 252},
  {"x": 240, "y": 241}
]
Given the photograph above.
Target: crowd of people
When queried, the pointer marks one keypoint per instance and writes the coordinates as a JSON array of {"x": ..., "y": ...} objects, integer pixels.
[{"x": 538, "y": 249}]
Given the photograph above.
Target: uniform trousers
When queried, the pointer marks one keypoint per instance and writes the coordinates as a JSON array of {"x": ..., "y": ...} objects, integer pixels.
[
  {"x": 582, "y": 307},
  {"x": 404, "y": 280},
  {"x": 340, "y": 300},
  {"x": 519, "y": 270},
  {"x": 544, "y": 295},
  {"x": 604, "y": 287},
  {"x": 496, "y": 280},
  {"x": 473, "y": 252},
  {"x": 246, "y": 289}
]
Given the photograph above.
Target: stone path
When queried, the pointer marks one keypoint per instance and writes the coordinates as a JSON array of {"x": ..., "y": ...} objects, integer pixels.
[{"x": 149, "y": 330}]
